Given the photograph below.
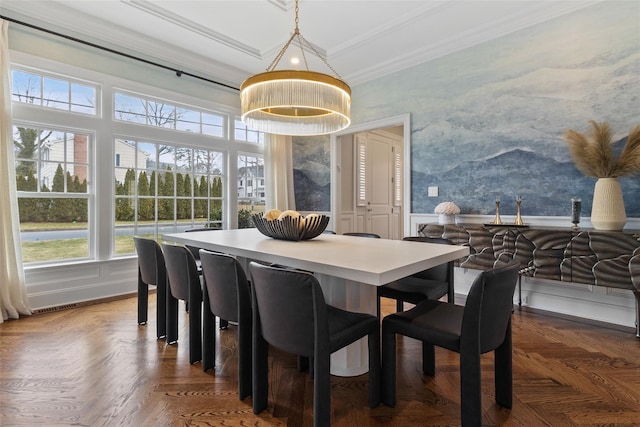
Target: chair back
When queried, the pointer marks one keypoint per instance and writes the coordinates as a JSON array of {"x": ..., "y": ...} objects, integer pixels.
[
  {"x": 181, "y": 270},
  {"x": 487, "y": 312},
  {"x": 226, "y": 285},
  {"x": 288, "y": 303},
  {"x": 151, "y": 265},
  {"x": 442, "y": 272},
  {"x": 359, "y": 234}
]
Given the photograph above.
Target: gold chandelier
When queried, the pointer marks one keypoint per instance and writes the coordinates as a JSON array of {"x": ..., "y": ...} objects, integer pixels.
[{"x": 295, "y": 102}]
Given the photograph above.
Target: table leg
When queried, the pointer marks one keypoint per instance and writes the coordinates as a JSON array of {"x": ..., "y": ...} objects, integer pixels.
[{"x": 353, "y": 359}]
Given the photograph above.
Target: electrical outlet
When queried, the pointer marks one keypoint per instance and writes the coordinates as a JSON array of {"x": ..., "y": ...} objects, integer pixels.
[{"x": 432, "y": 191}]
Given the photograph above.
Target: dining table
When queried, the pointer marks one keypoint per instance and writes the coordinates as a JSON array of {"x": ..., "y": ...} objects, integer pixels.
[{"x": 348, "y": 268}]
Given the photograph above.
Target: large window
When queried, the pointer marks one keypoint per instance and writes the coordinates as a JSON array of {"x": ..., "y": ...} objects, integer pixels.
[
  {"x": 100, "y": 159},
  {"x": 165, "y": 188},
  {"x": 53, "y": 177}
]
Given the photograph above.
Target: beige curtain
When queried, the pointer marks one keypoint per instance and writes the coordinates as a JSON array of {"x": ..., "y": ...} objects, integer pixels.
[
  {"x": 278, "y": 169},
  {"x": 13, "y": 293}
]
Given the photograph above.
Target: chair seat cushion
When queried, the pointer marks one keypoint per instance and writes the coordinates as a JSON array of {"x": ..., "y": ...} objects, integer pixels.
[
  {"x": 346, "y": 327},
  {"x": 413, "y": 289},
  {"x": 431, "y": 321}
]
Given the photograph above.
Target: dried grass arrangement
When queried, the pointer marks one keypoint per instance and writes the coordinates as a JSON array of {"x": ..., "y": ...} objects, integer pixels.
[{"x": 593, "y": 155}]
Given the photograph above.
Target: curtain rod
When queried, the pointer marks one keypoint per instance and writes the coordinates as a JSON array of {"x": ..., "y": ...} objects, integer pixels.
[{"x": 178, "y": 72}]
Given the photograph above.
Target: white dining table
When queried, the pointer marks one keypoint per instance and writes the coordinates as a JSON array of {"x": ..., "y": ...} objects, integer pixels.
[{"x": 348, "y": 268}]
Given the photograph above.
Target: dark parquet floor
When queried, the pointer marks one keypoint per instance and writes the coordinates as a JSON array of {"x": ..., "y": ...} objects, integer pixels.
[{"x": 94, "y": 366}]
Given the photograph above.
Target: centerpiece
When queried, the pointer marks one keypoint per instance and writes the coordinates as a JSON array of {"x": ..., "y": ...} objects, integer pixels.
[
  {"x": 290, "y": 224},
  {"x": 593, "y": 156}
]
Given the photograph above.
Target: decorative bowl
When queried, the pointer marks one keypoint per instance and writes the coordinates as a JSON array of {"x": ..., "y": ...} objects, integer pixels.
[{"x": 289, "y": 228}]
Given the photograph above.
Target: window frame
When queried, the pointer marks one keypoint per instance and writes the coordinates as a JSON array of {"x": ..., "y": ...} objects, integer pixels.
[{"x": 104, "y": 128}]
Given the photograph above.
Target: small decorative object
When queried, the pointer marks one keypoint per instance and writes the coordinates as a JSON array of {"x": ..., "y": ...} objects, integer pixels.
[
  {"x": 576, "y": 207},
  {"x": 593, "y": 156},
  {"x": 518, "y": 217},
  {"x": 291, "y": 225},
  {"x": 447, "y": 212},
  {"x": 497, "y": 219}
]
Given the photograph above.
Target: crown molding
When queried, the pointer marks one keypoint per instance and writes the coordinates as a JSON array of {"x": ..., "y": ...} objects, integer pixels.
[{"x": 170, "y": 17}]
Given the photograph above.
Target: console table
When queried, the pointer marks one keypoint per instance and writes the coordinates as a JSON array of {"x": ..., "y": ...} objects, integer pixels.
[{"x": 587, "y": 256}]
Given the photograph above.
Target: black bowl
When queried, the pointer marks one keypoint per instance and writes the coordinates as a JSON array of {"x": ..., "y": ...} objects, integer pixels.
[{"x": 289, "y": 228}]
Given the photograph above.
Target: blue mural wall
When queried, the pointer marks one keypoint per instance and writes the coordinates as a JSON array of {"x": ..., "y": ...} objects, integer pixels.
[
  {"x": 487, "y": 121},
  {"x": 312, "y": 173}
]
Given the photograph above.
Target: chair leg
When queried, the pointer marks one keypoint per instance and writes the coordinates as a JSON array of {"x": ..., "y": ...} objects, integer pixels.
[
  {"x": 303, "y": 363},
  {"x": 244, "y": 359},
  {"x": 378, "y": 306},
  {"x": 428, "y": 359},
  {"x": 388, "y": 365},
  {"x": 208, "y": 337},
  {"x": 399, "y": 306},
  {"x": 195, "y": 325},
  {"x": 143, "y": 300},
  {"x": 223, "y": 324},
  {"x": 172, "y": 319},
  {"x": 322, "y": 390},
  {"x": 470, "y": 389},
  {"x": 504, "y": 371},
  {"x": 161, "y": 308},
  {"x": 260, "y": 373},
  {"x": 375, "y": 392}
]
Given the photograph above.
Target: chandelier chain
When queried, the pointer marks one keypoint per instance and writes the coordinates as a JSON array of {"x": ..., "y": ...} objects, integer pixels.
[{"x": 301, "y": 42}]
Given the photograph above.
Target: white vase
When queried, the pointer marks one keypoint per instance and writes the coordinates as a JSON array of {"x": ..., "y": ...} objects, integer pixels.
[
  {"x": 607, "y": 210},
  {"x": 446, "y": 219}
]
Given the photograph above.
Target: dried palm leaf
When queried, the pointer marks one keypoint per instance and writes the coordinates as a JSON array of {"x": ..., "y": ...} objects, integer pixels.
[
  {"x": 593, "y": 156},
  {"x": 629, "y": 162}
]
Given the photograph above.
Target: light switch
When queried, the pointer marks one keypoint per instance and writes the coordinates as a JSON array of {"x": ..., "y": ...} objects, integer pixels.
[{"x": 432, "y": 191}]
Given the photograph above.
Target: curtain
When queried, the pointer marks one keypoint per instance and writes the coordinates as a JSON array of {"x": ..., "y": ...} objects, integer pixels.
[
  {"x": 278, "y": 169},
  {"x": 13, "y": 293}
]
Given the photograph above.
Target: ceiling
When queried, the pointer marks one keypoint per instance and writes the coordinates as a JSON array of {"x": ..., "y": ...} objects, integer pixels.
[{"x": 229, "y": 40}]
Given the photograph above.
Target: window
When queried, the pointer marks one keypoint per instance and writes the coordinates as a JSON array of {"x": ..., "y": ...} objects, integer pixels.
[
  {"x": 250, "y": 170},
  {"x": 53, "y": 92},
  {"x": 53, "y": 178},
  {"x": 243, "y": 133},
  {"x": 167, "y": 171},
  {"x": 152, "y": 112},
  {"x": 164, "y": 188}
]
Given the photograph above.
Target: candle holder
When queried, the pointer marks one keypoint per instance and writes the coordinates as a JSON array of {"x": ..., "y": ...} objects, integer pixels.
[
  {"x": 576, "y": 207},
  {"x": 497, "y": 219},
  {"x": 518, "y": 217}
]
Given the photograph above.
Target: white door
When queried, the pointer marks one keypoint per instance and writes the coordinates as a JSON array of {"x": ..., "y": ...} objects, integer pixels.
[{"x": 378, "y": 184}]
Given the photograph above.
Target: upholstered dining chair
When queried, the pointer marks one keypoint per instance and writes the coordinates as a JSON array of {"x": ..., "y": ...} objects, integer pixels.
[
  {"x": 185, "y": 285},
  {"x": 227, "y": 295},
  {"x": 482, "y": 325},
  {"x": 290, "y": 313},
  {"x": 151, "y": 271},
  {"x": 432, "y": 283},
  {"x": 196, "y": 254}
]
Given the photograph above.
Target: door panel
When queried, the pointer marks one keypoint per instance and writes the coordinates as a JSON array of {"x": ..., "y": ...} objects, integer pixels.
[{"x": 378, "y": 175}]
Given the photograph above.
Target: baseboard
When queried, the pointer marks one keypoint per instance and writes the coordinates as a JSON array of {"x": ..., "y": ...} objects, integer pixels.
[
  {"x": 86, "y": 303},
  {"x": 576, "y": 319}
]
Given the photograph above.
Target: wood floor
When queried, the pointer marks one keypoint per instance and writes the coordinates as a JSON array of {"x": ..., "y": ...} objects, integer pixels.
[{"x": 94, "y": 366}]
